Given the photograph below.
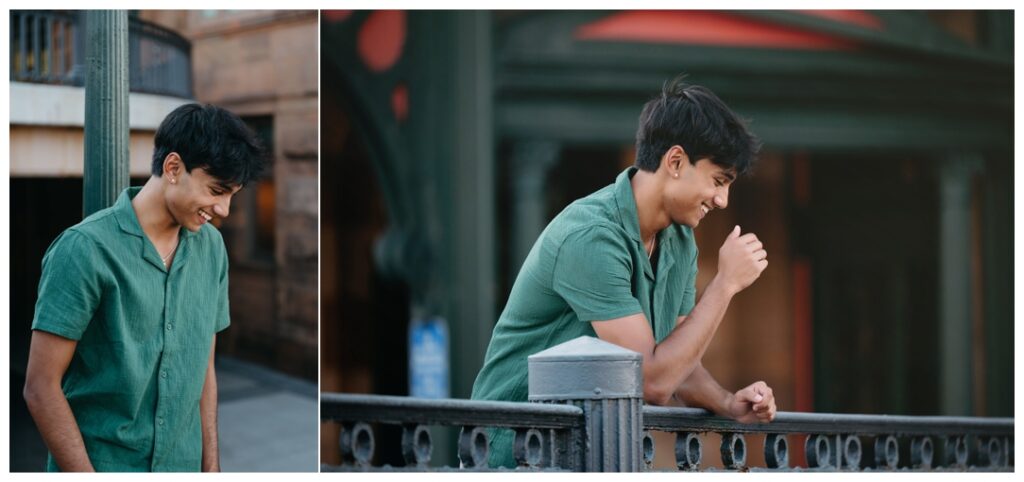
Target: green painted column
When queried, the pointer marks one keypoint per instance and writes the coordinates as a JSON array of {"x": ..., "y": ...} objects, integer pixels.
[
  {"x": 955, "y": 280},
  {"x": 473, "y": 248},
  {"x": 531, "y": 161},
  {"x": 106, "y": 109}
]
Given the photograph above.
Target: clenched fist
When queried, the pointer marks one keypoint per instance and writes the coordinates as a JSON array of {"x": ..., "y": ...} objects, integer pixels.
[
  {"x": 753, "y": 404},
  {"x": 741, "y": 259}
]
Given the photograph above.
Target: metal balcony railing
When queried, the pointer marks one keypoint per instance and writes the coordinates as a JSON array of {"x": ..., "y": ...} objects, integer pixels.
[
  {"x": 49, "y": 47},
  {"x": 592, "y": 418}
]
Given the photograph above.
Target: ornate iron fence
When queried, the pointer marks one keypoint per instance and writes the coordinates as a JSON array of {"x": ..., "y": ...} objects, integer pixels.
[
  {"x": 49, "y": 47},
  {"x": 591, "y": 418}
]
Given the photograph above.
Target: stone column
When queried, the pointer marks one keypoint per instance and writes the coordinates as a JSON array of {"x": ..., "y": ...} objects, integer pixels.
[
  {"x": 106, "y": 109},
  {"x": 606, "y": 381},
  {"x": 955, "y": 282}
]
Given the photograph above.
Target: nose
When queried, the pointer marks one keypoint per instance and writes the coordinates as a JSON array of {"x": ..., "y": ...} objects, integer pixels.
[
  {"x": 222, "y": 208},
  {"x": 722, "y": 197}
]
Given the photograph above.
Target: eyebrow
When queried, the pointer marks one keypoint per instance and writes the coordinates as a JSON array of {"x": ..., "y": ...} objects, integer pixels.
[{"x": 730, "y": 175}]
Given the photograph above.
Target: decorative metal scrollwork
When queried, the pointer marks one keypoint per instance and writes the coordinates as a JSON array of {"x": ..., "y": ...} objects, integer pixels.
[
  {"x": 776, "y": 451},
  {"x": 956, "y": 451},
  {"x": 647, "y": 450},
  {"x": 357, "y": 443},
  {"x": 734, "y": 451},
  {"x": 416, "y": 445},
  {"x": 852, "y": 452},
  {"x": 528, "y": 448},
  {"x": 474, "y": 446},
  {"x": 921, "y": 452},
  {"x": 887, "y": 452},
  {"x": 819, "y": 451},
  {"x": 688, "y": 451},
  {"x": 990, "y": 452}
]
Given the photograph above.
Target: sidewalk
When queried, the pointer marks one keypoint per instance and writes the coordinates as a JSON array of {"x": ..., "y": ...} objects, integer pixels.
[{"x": 268, "y": 422}]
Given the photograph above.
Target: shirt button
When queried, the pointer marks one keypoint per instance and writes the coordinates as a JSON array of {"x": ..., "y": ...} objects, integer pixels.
[
  {"x": 163, "y": 374},
  {"x": 170, "y": 327},
  {"x": 160, "y": 421}
]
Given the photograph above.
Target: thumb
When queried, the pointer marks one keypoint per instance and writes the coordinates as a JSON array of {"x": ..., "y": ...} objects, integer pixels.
[
  {"x": 749, "y": 395},
  {"x": 735, "y": 232}
]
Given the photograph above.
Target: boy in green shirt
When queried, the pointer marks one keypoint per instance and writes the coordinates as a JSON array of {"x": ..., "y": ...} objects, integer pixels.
[
  {"x": 621, "y": 265},
  {"x": 129, "y": 303}
]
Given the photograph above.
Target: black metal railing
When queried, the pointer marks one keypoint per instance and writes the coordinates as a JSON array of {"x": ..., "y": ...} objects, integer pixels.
[
  {"x": 843, "y": 441},
  {"x": 49, "y": 47},
  {"x": 551, "y": 437},
  {"x": 545, "y": 434},
  {"x": 586, "y": 413}
]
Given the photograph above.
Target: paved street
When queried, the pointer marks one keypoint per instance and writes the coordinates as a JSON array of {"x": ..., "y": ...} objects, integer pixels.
[{"x": 268, "y": 422}]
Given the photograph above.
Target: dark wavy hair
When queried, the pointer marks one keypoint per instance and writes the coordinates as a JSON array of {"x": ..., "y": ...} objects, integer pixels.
[
  {"x": 694, "y": 118},
  {"x": 212, "y": 138}
]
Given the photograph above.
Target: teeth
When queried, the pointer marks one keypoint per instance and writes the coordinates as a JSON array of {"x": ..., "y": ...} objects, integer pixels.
[
  {"x": 204, "y": 215},
  {"x": 704, "y": 209}
]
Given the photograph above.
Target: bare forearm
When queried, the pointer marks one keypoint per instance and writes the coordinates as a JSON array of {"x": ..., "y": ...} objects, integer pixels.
[
  {"x": 701, "y": 390},
  {"x": 208, "y": 414},
  {"x": 677, "y": 356},
  {"x": 58, "y": 427}
]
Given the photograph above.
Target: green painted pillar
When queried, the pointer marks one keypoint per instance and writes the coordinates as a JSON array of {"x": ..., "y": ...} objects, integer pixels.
[
  {"x": 955, "y": 280},
  {"x": 531, "y": 161},
  {"x": 473, "y": 248},
  {"x": 106, "y": 108}
]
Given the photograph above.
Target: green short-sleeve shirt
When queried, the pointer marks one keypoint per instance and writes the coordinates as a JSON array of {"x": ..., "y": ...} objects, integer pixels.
[
  {"x": 589, "y": 264},
  {"x": 144, "y": 334}
]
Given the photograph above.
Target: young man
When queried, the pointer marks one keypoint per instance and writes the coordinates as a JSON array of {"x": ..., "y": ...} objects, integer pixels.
[
  {"x": 621, "y": 264},
  {"x": 129, "y": 304}
]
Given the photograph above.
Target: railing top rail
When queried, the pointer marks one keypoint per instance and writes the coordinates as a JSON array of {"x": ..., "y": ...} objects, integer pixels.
[
  {"x": 700, "y": 420},
  {"x": 447, "y": 411}
]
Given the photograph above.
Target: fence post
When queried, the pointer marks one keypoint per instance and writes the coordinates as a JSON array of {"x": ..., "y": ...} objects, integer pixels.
[{"x": 604, "y": 380}]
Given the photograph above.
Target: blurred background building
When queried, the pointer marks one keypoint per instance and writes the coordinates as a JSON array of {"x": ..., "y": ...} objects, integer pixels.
[
  {"x": 262, "y": 65},
  {"x": 883, "y": 193}
]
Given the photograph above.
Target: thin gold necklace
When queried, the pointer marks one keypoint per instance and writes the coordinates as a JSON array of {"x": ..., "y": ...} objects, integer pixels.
[{"x": 168, "y": 257}]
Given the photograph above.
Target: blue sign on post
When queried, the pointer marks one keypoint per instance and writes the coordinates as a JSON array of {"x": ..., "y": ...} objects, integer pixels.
[{"x": 428, "y": 358}]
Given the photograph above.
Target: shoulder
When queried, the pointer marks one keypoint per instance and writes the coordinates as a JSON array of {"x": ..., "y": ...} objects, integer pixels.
[
  {"x": 96, "y": 227},
  {"x": 74, "y": 241}
]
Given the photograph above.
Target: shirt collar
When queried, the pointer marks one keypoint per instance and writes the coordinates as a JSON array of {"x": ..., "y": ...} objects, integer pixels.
[
  {"x": 128, "y": 220},
  {"x": 628, "y": 217}
]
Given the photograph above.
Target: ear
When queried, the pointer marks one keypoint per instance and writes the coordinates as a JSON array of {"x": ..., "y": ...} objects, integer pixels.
[
  {"x": 173, "y": 166},
  {"x": 675, "y": 159}
]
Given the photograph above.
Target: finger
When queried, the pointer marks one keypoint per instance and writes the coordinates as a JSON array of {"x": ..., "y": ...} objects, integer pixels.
[
  {"x": 748, "y": 238},
  {"x": 756, "y": 245},
  {"x": 760, "y": 255},
  {"x": 749, "y": 395},
  {"x": 761, "y": 265},
  {"x": 735, "y": 232}
]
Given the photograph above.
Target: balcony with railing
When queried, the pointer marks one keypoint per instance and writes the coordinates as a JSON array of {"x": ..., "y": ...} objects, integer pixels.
[
  {"x": 586, "y": 413},
  {"x": 48, "y": 47}
]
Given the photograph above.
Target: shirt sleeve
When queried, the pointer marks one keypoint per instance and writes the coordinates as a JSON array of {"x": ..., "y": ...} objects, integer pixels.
[
  {"x": 593, "y": 273},
  {"x": 690, "y": 290},
  {"x": 70, "y": 289},
  {"x": 223, "y": 319}
]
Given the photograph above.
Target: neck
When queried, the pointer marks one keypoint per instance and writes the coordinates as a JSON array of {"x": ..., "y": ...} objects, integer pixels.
[
  {"x": 647, "y": 189},
  {"x": 154, "y": 218}
]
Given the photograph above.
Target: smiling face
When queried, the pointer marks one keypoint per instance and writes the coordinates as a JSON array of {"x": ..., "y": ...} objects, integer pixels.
[
  {"x": 693, "y": 190},
  {"x": 195, "y": 198}
]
